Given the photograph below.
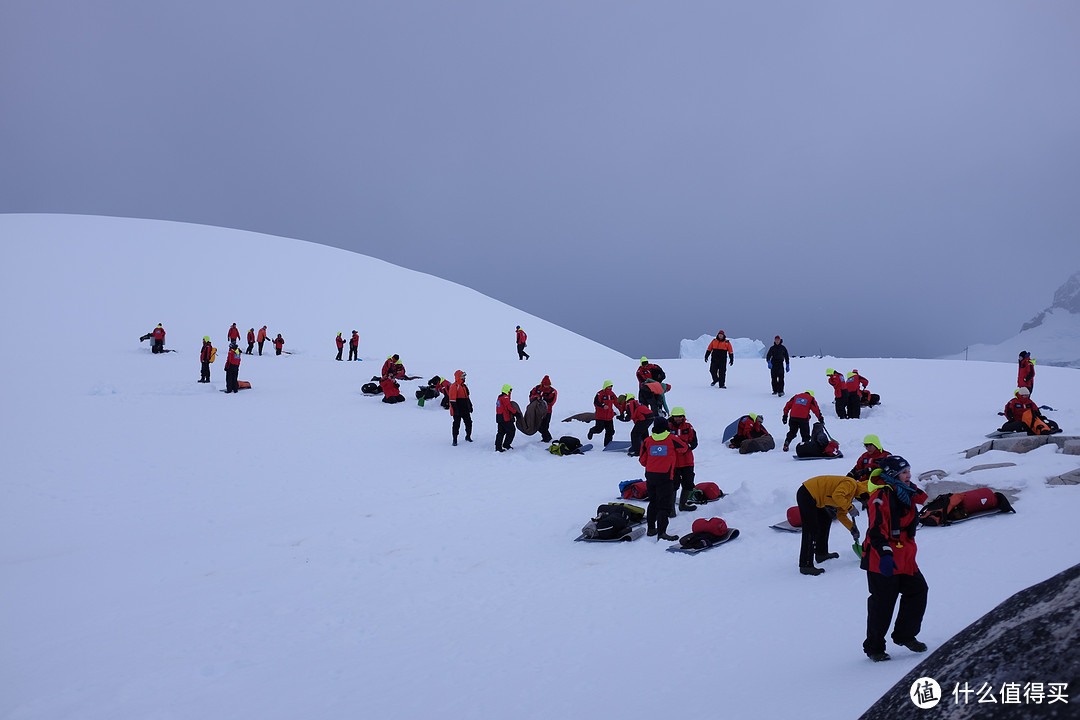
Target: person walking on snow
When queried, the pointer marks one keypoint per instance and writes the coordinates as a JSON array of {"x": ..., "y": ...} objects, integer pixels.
[
  {"x": 604, "y": 403},
  {"x": 354, "y": 346},
  {"x": 836, "y": 379},
  {"x": 777, "y": 359},
  {"x": 521, "y": 338},
  {"x": 799, "y": 408},
  {"x": 340, "y": 341},
  {"x": 251, "y": 341},
  {"x": 234, "y": 334},
  {"x": 504, "y": 419},
  {"x": 460, "y": 406},
  {"x": 204, "y": 356},
  {"x": 658, "y": 455},
  {"x": 813, "y": 497},
  {"x": 1025, "y": 375},
  {"x": 261, "y": 338},
  {"x": 544, "y": 391},
  {"x": 889, "y": 560},
  {"x": 722, "y": 357}
]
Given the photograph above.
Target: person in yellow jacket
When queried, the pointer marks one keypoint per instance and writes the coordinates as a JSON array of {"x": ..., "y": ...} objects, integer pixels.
[{"x": 813, "y": 498}]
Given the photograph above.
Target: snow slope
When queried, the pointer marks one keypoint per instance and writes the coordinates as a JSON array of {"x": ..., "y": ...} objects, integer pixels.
[
  {"x": 302, "y": 551},
  {"x": 1054, "y": 341}
]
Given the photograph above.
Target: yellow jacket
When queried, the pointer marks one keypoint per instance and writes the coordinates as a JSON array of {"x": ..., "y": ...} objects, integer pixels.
[{"x": 835, "y": 491}]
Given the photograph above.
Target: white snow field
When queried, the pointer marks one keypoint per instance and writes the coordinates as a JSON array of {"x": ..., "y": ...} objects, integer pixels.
[{"x": 300, "y": 550}]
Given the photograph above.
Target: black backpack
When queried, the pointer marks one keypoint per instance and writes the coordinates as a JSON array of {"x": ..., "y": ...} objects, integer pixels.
[
  {"x": 613, "y": 520},
  {"x": 570, "y": 444},
  {"x": 371, "y": 388}
]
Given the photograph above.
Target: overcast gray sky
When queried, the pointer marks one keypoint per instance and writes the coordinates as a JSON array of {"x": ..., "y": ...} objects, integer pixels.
[{"x": 863, "y": 178}]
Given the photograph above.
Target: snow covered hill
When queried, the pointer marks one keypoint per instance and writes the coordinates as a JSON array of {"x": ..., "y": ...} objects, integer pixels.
[
  {"x": 299, "y": 550},
  {"x": 1052, "y": 336}
]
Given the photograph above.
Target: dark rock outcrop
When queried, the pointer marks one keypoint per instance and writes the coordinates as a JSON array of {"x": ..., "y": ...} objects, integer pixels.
[{"x": 1033, "y": 637}]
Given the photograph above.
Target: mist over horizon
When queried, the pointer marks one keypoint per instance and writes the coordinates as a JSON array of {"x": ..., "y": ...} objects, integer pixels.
[{"x": 863, "y": 181}]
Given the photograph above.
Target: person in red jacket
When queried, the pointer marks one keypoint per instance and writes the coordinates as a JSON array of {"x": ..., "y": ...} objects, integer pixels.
[
  {"x": 261, "y": 338},
  {"x": 391, "y": 391},
  {"x": 854, "y": 384},
  {"x": 604, "y": 403},
  {"x": 722, "y": 356},
  {"x": 544, "y": 391},
  {"x": 1025, "y": 375},
  {"x": 889, "y": 559},
  {"x": 642, "y": 416},
  {"x": 869, "y": 460},
  {"x": 204, "y": 357},
  {"x": 232, "y": 369},
  {"x": 649, "y": 371},
  {"x": 836, "y": 379},
  {"x": 658, "y": 456},
  {"x": 521, "y": 338},
  {"x": 684, "y": 462},
  {"x": 749, "y": 427},
  {"x": 234, "y": 334},
  {"x": 340, "y": 341},
  {"x": 504, "y": 419},
  {"x": 251, "y": 341},
  {"x": 354, "y": 346},
  {"x": 279, "y": 342},
  {"x": 799, "y": 408},
  {"x": 158, "y": 342},
  {"x": 460, "y": 406},
  {"x": 393, "y": 367}
]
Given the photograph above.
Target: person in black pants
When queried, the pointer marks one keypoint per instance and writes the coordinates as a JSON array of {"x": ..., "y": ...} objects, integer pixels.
[
  {"x": 889, "y": 560},
  {"x": 778, "y": 359}
]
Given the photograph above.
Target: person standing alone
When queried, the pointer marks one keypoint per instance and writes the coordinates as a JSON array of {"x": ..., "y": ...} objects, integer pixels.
[
  {"x": 521, "y": 338},
  {"x": 722, "y": 356},
  {"x": 778, "y": 359}
]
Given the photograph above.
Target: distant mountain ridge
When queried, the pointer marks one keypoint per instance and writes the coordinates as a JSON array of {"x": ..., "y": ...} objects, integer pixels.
[
  {"x": 1052, "y": 336},
  {"x": 1066, "y": 297}
]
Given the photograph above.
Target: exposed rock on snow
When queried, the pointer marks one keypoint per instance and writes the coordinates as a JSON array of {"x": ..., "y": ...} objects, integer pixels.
[{"x": 1030, "y": 638}]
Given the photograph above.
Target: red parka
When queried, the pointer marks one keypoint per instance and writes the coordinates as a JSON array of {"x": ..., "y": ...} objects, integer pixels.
[
  {"x": 659, "y": 451},
  {"x": 892, "y": 530},
  {"x": 684, "y": 431},
  {"x": 605, "y": 402},
  {"x": 801, "y": 405}
]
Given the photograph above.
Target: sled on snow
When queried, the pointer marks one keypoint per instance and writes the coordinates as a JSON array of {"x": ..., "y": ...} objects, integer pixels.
[{"x": 730, "y": 535}]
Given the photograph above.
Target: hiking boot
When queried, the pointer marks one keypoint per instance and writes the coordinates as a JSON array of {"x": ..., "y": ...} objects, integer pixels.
[
  {"x": 811, "y": 570},
  {"x": 651, "y": 531},
  {"x": 878, "y": 656},
  {"x": 468, "y": 439},
  {"x": 687, "y": 507},
  {"x": 455, "y": 442},
  {"x": 723, "y": 387},
  {"x": 590, "y": 434},
  {"x": 665, "y": 536},
  {"x": 914, "y": 644},
  {"x": 785, "y": 448},
  {"x": 826, "y": 556}
]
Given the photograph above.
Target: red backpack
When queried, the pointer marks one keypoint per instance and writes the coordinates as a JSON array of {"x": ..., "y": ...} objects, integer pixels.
[
  {"x": 711, "y": 491},
  {"x": 714, "y": 526},
  {"x": 793, "y": 517}
]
